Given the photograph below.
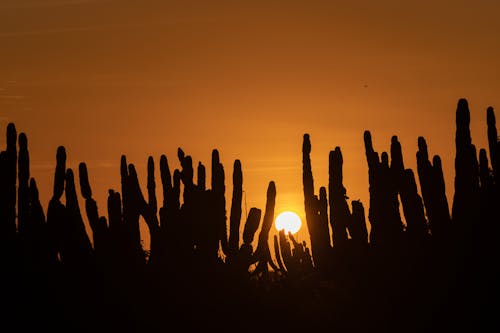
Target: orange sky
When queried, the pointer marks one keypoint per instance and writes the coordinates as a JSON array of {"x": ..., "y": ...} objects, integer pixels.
[{"x": 249, "y": 78}]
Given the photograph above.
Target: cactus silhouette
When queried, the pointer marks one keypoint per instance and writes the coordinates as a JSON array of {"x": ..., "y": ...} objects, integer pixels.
[
  {"x": 251, "y": 226},
  {"x": 97, "y": 223},
  {"x": 427, "y": 273},
  {"x": 413, "y": 207},
  {"x": 218, "y": 192},
  {"x": 318, "y": 231},
  {"x": 262, "y": 254},
  {"x": 493, "y": 143},
  {"x": 433, "y": 191},
  {"x": 23, "y": 184},
  {"x": 339, "y": 210},
  {"x": 465, "y": 208},
  {"x": 235, "y": 217},
  {"x": 386, "y": 224},
  {"x": 8, "y": 175},
  {"x": 358, "y": 230}
]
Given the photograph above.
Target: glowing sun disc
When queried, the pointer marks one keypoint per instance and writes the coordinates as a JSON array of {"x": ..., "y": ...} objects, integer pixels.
[{"x": 289, "y": 221}]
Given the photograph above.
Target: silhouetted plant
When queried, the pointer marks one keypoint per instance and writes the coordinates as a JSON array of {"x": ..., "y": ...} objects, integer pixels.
[
  {"x": 358, "y": 230},
  {"x": 493, "y": 143},
  {"x": 98, "y": 223},
  {"x": 433, "y": 191},
  {"x": 465, "y": 209},
  {"x": 235, "y": 217},
  {"x": 318, "y": 231},
  {"x": 339, "y": 210},
  {"x": 8, "y": 175},
  {"x": 185, "y": 276},
  {"x": 262, "y": 254},
  {"x": 386, "y": 224}
]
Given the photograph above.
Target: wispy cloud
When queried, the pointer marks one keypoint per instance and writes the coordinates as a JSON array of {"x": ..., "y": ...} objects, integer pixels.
[
  {"x": 12, "y": 97},
  {"x": 98, "y": 27},
  {"x": 47, "y": 31},
  {"x": 20, "y": 4}
]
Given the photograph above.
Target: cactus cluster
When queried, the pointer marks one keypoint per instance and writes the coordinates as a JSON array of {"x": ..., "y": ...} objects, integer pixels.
[{"x": 407, "y": 266}]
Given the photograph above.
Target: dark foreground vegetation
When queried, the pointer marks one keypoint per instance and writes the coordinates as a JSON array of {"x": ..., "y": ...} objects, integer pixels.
[{"x": 438, "y": 271}]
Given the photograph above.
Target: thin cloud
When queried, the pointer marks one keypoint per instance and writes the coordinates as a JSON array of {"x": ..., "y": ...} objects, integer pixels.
[
  {"x": 101, "y": 27},
  {"x": 12, "y": 97},
  {"x": 26, "y": 4}
]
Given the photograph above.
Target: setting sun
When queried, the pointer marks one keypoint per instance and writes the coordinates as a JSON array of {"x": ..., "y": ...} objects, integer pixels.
[{"x": 289, "y": 221}]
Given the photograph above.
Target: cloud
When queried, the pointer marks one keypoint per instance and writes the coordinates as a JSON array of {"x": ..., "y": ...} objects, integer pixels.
[
  {"x": 97, "y": 27},
  {"x": 27, "y": 4},
  {"x": 12, "y": 97},
  {"x": 47, "y": 31}
]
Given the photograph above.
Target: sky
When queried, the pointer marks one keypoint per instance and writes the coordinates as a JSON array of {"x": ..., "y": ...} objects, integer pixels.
[{"x": 249, "y": 78}]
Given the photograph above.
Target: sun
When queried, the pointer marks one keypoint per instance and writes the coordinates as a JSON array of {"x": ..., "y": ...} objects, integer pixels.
[{"x": 289, "y": 221}]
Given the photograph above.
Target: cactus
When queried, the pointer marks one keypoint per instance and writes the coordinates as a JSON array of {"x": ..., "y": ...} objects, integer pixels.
[
  {"x": 308, "y": 183},
  {"x": 277, "y": 254},
  {"x": 8, "y": 174},
  {"x": 251, "y": 226},
  {"x": 98, "y": 224},
  {"x": 318, "y": 232},
  {"x": 357, "y": 229},
  {"x": 65, "y": 222},
  {"x": 262, "y": 254},
  {"x": 218, "y": 192},
  {"x": 493, "y": 142},
  {"x": 115, "y": 213},
  {"x": 433, "y": 192},
  {"x": 31, "y": 217},
  {"x": 235, "y": 217},
  {"x": 405, "y": 185},
  {"x": 286, "y": 253},
  {"x": 244, "y": 258},
  {"x": 413, "y": 207},
  {"x": 339, "y": 209},
  {"x": 465, "y": 208},
  {"x": 386, "y": 224},
  {"x": 39, "y": 249},
  {"x": 201, "y": 177},
  {"x": 322, "y": 221},
  {"x": 78, "y": 243},
  {"x": 23, "y": 188},
  {"x": 56, "y": 212}
]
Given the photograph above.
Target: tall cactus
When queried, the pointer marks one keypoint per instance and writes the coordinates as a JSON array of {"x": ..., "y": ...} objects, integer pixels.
[
  {"x": 31, "y": 217},
  {"x": 218, "y": 191},
  {"x": 262, "y": 253},
  {"x": 251, "y": 226},
  {"x": 8, "y": 174},
  {"x": 433, "y": 191},
  {"x": 384, "y": 217},
  {"x": 235, "y": 217},
  {"x": 465, "y": 208},
  {"x": 23, "y": 188},
  {"x": 413, "y": 207},
  {"x": 98, "y": 224},
  {"x": 201, "y": 177},
  {"x": 65, "y": 221},
  {"x": 405, "y": 185},
  {"x": 358, "y": 230},
  {"x": 322, "y": 221},
  {"x": 339, "y": 209},
  {"x": 318, "y": 231},
  {"x": 78, "y": 241},
  {"x": 493, "y": 142},
  {"x": 244, "y": 258}
]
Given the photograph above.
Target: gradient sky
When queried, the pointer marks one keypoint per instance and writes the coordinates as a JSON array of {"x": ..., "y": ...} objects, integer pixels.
[{"x": 111, "y": 77}]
